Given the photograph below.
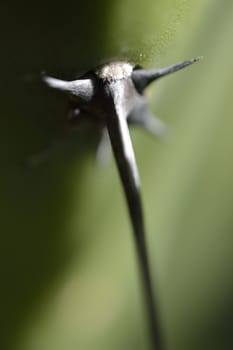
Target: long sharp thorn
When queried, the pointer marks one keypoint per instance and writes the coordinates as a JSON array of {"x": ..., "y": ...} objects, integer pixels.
[
  {"x": 127, "y": 167},
  {"x": 143, "y": 77}
]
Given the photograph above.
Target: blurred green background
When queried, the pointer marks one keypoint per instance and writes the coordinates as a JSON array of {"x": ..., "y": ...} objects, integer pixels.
[{"x": 69, "y": 277}]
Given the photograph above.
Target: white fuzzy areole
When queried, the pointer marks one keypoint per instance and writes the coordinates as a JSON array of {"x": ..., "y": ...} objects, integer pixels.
[{"x": 114, "y": 71}]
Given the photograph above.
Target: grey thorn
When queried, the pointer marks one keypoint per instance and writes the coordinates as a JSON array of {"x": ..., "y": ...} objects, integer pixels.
[
  {"x": 103, "y": 152},
  {"x": 82, "y": 89},
  {"x": 141, "y": 116},
  {"x": 143, "y": 77},
  {"x": 154, "y": 125}
]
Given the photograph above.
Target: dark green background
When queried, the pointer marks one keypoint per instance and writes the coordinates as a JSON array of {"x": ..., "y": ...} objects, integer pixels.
[{"x": 68, "y": 270}]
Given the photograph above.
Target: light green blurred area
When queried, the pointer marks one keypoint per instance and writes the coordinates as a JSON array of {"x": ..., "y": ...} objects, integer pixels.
[{"x": 70, "y": 278}]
